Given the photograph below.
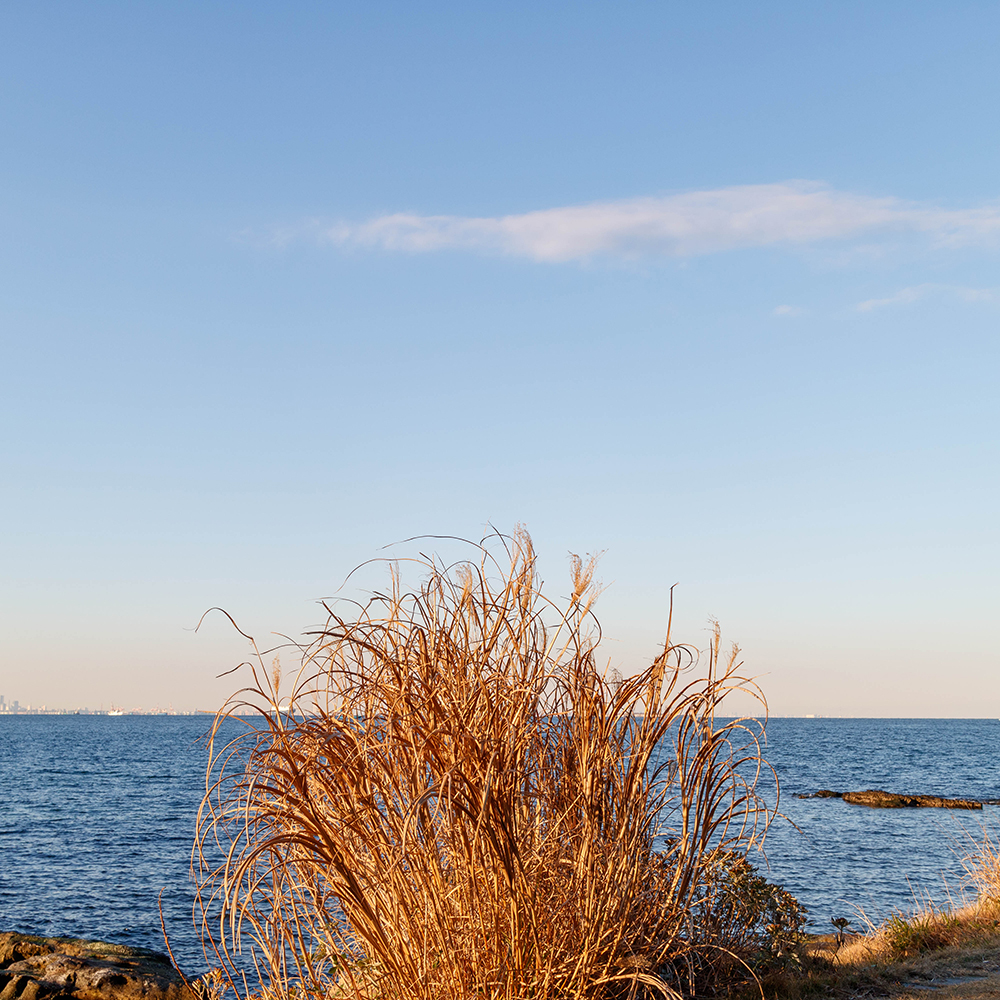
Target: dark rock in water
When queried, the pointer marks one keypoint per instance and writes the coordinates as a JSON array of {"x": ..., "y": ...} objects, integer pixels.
[
  {"x": 36, "y": 968},
  {"x": 890, "y": 800},
  {"x": 878, "y": 799}
]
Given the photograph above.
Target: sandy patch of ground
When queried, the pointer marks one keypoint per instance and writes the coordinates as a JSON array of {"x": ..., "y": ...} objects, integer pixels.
[{"x": 966, "y": 972}]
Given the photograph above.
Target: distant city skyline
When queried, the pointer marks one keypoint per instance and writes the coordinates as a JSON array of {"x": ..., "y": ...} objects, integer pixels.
[{"x": 14, "y": 707}]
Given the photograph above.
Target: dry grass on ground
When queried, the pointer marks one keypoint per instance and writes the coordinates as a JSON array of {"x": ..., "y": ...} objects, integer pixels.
[
  {"x": 953, "y": 954},
  {"x": 968, "y": 968}
]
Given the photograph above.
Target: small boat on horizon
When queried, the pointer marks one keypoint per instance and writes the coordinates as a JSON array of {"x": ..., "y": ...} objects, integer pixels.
[{"x": 116, "y": 711}]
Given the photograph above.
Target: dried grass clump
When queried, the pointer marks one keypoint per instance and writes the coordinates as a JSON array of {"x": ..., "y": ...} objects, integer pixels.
[
  {"x": 453, "y": 802},
  {"x": 905, "y": 937},
  {"x": 982, "y": 864}
]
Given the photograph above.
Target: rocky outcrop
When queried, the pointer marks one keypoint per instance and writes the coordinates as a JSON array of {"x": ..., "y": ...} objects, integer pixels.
[
  {"x": 878, "y": 799},
  {"x": 37, "y": 968}
]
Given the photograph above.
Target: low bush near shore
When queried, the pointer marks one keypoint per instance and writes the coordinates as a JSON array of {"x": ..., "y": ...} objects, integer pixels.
[{"x": 450, "y": 800}]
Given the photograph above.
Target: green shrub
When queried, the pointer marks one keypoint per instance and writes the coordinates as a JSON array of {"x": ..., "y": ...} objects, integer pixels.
[
  {"x": 908, "y": 936},
  {"x": 755, "y": 925}
]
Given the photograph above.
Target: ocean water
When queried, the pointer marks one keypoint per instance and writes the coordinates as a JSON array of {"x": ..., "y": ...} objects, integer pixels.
[
  {"x": 839, "y": 858},
  {"x": 98, "y": 816}
]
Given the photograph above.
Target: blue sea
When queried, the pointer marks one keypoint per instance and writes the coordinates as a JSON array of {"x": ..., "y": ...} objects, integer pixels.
[
  {"x": 847, "y": 860},
  {"x": 98, "y": 816}
]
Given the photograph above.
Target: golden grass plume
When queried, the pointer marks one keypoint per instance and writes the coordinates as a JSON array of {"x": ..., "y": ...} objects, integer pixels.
[{"x": 451, "y": 801}]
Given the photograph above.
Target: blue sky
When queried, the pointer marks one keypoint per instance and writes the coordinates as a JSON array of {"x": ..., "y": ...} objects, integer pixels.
[{"x": 708, "y": 288}]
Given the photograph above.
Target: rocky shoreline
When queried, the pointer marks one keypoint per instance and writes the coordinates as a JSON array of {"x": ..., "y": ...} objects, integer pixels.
[{"x": 39, "y": 968}]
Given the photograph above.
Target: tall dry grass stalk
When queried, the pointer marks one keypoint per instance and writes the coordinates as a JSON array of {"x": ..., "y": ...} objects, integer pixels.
[
  {"x": 452, "y": 802},
  {"x": 982, "y": 865}
]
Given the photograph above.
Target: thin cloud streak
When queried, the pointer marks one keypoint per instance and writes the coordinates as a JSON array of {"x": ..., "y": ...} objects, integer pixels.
[
  {"x": 914, "y": 293},
  {"x": 683, "y": 225}
]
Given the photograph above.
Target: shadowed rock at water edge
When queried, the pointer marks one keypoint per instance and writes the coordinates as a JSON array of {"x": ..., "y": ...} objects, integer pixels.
[{"x": 878, "y": 799}]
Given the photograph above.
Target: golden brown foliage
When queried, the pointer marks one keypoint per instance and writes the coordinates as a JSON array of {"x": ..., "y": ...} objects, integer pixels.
[{"x": 451, "y": 801}]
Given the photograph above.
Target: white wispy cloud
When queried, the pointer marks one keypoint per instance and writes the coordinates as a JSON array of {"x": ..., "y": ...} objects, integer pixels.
[
  {"x": 914, "y": 293},
  {"x": 787, "y": 310},
  {"x": 680, "y": 225}
]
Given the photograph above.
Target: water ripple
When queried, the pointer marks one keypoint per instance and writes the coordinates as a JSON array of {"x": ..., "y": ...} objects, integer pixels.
[{"x": 99, "y": 816}]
